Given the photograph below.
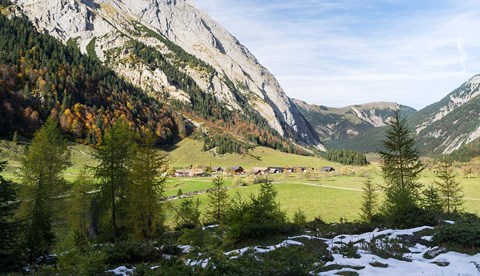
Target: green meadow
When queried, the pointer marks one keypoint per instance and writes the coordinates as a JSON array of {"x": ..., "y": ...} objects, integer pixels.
[{"x": 330, "y": 196}]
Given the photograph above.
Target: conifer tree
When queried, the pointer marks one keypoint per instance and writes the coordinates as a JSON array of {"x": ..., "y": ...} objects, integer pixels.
[
  {"x": 217, "y": 197},
  {"x": 369, "y": 202},
  {"x": 450, "y": 189},
  {"x": 431, "y": 199},
  {"x": 114, "y": 158},
  {"x": 146, "y": 213},
  {"x": 9, "y": 227},
  {"x": 265, "y": 207},
  {"x": 80, "y": 208},
  {"x": 42, "y": 174},
  {"x": 401, "y": 170},
  {"x": 188, "y": 214}
]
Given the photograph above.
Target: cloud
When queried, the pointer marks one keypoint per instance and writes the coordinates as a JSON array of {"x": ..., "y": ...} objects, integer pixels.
[{"x": 347, "y": 52}]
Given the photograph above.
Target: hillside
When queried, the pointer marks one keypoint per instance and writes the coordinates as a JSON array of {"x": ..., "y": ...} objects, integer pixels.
[
  {"x": 189, "y": 152},
  {"x": 179, "y": 55},
  {"x": 352, "y": 127},
  {"x": 333, "y": 124},
  {"x": 446, "y": 125}
]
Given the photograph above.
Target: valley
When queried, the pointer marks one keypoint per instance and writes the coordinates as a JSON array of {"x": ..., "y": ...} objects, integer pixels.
[{"x": 140, "y": 137}]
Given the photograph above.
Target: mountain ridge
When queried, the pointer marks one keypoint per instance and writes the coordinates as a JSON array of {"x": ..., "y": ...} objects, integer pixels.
[
  {"x": 333, "y": 124},
  {"x": 104, "y": 28}
]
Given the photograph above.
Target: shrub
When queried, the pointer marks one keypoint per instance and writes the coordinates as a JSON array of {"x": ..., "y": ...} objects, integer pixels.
[
  {"x": 132, "y": 252},
  {"x": 465, "y": 234}
]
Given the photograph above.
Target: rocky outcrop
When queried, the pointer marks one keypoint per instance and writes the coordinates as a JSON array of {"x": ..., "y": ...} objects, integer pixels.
[
  {"x": 445, "y": 126},
  {"x": 104, "y": 28}
]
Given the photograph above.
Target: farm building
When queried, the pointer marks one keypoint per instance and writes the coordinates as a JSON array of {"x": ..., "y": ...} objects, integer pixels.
[
  {"x": 259, "y": 170},
  {"x": 236, "y": 170},
  {"x": 327, "y": 169}
]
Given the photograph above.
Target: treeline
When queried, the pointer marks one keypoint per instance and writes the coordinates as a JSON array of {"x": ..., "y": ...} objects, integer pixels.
[
  {"x": 347, "y": 157},
  {"x": 39, "y": 77},
  {"x": 465, "y": 153},
  {"x": 224, "y": 144}
]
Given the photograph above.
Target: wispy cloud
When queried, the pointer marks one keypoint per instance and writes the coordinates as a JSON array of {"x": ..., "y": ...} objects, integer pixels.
[{"x": 344, "y": 52}]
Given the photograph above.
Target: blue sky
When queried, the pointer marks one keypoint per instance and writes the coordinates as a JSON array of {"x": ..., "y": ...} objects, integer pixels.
[{"x": 337, "y": 53}]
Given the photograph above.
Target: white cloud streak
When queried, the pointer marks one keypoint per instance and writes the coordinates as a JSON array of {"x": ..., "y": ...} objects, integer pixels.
[{"x": 344, "y": 52}]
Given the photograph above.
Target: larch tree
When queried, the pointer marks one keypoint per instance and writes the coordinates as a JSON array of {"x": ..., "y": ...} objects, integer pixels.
[
  {"x": 217, "y": 200},
  {"x": 146, "y": 189},
  {"x": 80, "y": 209},
  {"x": 114, "y": 158},
  {"x": 450, "y": 189},
  {"x": 369, "y": 200},
  {"x": 401, "y": 169},
  {"x": 41, "y": 172}
]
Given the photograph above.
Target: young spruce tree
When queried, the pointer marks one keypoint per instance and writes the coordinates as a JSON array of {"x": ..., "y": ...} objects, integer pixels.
[
  {"x": 450, "y": 189},
  {"x": 114, "y": 158},
  {"x": 42, "y": 174},
  {"x": 401, "y": 170},
  {"x": 146, "y": 189},
  {"x": 218, "y": 200}
]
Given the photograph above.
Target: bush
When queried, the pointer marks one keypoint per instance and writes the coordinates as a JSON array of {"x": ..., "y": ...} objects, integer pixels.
[
  {"x": 88, "y": 261},
  {"x": 132, "y": 252},
  {"x": 411, "y": 217},
  {"x": 466, "y": 234}
]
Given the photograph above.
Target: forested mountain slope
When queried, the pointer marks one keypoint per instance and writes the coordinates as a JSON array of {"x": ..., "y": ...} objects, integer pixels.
[
  {"x": 445, "y": 126},
  {"x": 175, "y": 52}
]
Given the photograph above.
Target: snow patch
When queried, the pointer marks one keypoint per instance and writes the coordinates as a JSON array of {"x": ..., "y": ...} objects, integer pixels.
[{"x": 122, "y": 270}]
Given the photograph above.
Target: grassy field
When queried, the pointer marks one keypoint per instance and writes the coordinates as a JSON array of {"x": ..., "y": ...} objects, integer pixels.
[
  {"x": 330, "y": 196},
  {"x": 189, "y": 152}
]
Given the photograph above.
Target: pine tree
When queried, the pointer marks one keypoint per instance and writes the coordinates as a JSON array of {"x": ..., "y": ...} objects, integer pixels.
[
  {"x": 450, "y": 189},
  {"x": 218, "y": 200},
  {"x": 401, "y": 170},
  {"x": 42, "y": 174},
  {"x": 9, "y": 227},
  {"x": 146, "y": 213},
  {"x": 369, "y": 202},
  {"x": 114, "y": 158}
]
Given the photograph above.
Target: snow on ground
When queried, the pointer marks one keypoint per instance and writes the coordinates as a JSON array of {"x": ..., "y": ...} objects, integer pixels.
[
  {"x": 122, "y": 270},
  {"x": 262, "y": 249},
  {"x": 413, "y": 263},
  {"x": 445, "y": 263}
]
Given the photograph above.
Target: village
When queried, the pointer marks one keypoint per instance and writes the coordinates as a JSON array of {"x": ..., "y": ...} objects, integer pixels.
[{"x": 205, "y": 171}]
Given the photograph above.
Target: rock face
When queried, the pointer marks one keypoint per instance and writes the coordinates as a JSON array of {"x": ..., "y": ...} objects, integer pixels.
[
  {"x": 445, "y": 126},
  {"x": 333, "y": 124},
  {"x": 221, "y": 65}
]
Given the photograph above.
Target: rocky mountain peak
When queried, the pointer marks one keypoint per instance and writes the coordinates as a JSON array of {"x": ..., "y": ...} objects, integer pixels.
[{"x": 105, "y": 29}]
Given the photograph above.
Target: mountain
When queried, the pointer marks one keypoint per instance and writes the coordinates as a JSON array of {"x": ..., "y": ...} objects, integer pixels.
[
  {"x": 337, "y": 124},
  {"x": 174, "y": 52},
  {"x": 445, "y": 126}
]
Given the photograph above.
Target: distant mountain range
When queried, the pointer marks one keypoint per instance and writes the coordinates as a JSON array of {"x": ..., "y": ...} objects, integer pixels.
[{"x": 441, "y": 128}]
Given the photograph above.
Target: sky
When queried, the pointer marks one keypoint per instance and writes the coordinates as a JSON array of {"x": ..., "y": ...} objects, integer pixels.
[{"x": 343, "y": 52}]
